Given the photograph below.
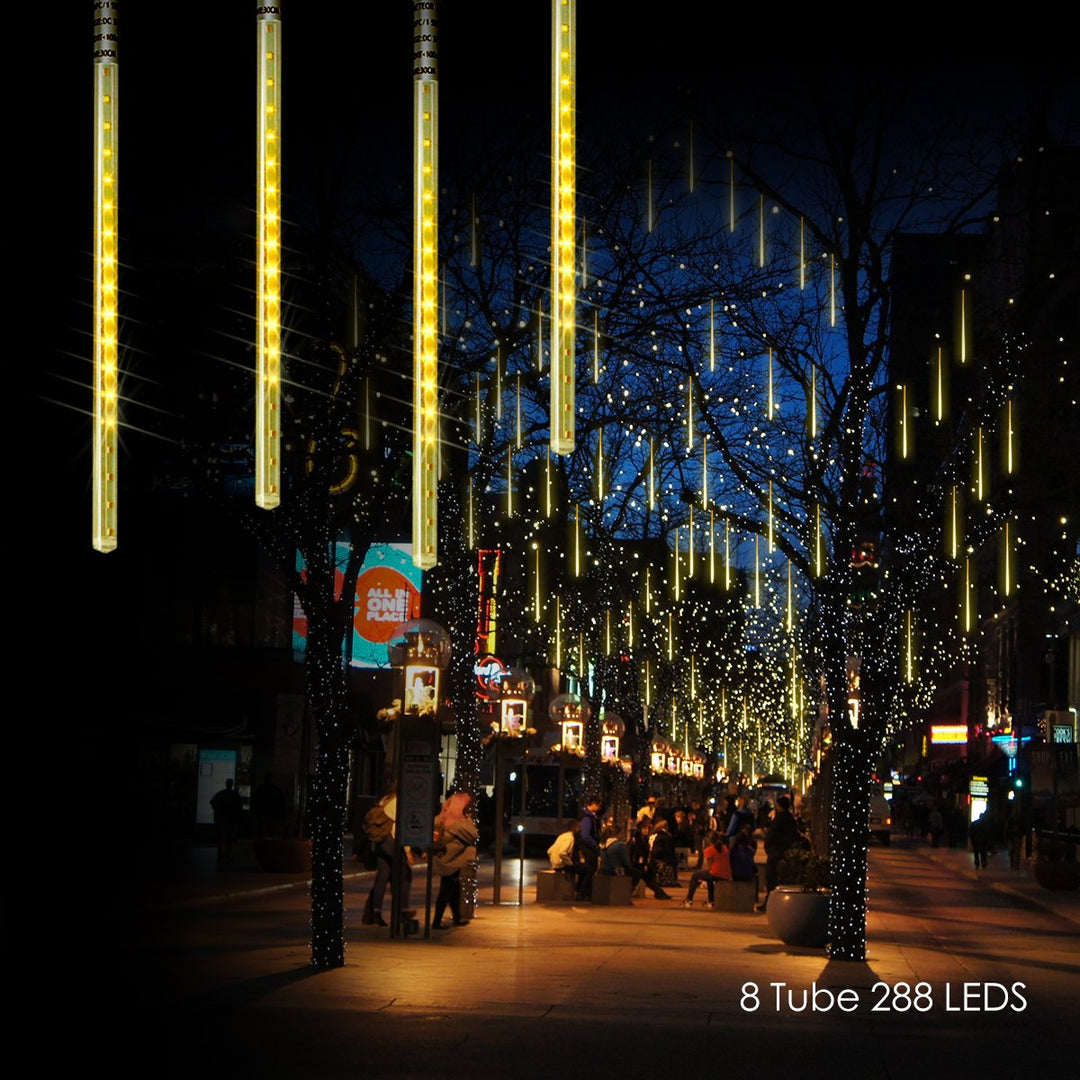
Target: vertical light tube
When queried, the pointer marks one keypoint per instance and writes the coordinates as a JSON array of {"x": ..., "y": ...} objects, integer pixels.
[
  {"x": 712, "y": 547},
  {"x": 939, "y": 386},
  {"x": 812, "y": 411},
  {"x": 425, "y": 281},
  {"x": 517, "y": 424},
  {"x": 509, "y": 481},
  {"x": 979, "y": 474},
  {"x": 712, "y": 336},
  {"x": 690, "y": 544},
  {"x": 903, "y": 422},
  {"x": 1009, "y": 460},
  {"x": 704, "y": 471},
  {"x": 558, "y": 632},
  {"x": 106, "y": 266},
  {"x": 967, "y": 596},
  {"x": 471, "y": 518},
  {"x": 771, "y": 537},
  {"x": 577, "y": 540},
  {"x": 607, "y": 632},
  {"x": 600, "y": 464},
  {"x": 909, "y": 664},
  {"x": 268, "y": 244},
  {"x": 727, "y": 554},
  {"x": 563, "y": 299},
  {"x": 790, "y": 604},
  {"x": 954, "y": 525},
  {"x": 689, "y": 414},
  {"x": 678, "y": 582},
  {"x": 648, "y": 590},
  {"x": 536, "y": 582},
  {"x": 757, "y": 570},
  {"x": 498, "y": 384},
  {"x": 832, "y": 290},
  {"x": 772, "y": 398}
]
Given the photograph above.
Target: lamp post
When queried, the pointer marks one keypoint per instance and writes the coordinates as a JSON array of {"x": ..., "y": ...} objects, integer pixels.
[
  {"x": 570, "y": 714},
  {"x": 420, "y": 648},
  {"x": 516, "y": 689}
]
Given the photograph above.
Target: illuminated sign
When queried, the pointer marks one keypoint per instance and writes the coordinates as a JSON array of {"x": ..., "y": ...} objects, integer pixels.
[
  {"x": 978, "y": 787},
  {"x": 421, "y": 689},
  {"x": 948, "y": 734},
  {"x": 387, "y": 594}
]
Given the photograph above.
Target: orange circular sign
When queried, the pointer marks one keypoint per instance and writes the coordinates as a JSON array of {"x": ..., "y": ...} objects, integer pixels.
[{"x": 384, "y": 599}]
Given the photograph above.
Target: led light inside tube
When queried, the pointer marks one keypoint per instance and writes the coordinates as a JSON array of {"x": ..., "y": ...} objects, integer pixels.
[
  {"x": 268, "y": 260},
  {"x": 563, "y": 283},
  {"x": 425, "y": 285},
  {"x": 105, "y": 439}
]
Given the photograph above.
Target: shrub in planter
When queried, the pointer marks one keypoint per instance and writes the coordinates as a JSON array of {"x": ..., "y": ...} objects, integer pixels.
[{"x": 798, "y": 908}]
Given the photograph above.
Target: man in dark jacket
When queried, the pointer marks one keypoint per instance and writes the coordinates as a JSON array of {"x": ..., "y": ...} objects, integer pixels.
[
  {"x": 588, "y": 846},
  {"x": 783, "y": 834}
]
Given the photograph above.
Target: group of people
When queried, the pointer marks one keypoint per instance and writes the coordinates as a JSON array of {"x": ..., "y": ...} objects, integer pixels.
[
  {"x": 453, "y": 849},
  {"x": 650, "y": 851}
]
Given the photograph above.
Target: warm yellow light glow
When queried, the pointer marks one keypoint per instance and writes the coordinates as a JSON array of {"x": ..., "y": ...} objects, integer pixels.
[
  {"x": 689, "y": 414},
  {"x": 903, "y": 423},
  {"x": 563, "y": 224},
  {"x": 963, "y": 336},
  {"x": 771, "y": 545},
  {"x": 670, "y": 636},
  {"x": 498, "y": 384},
  {"x": 712, "y": 337},
  {"x": 704, "y": 471},
  {"x": 607, "y": 632},
  {"x": 648, "y": 590},
  {"x": 939, "y": 385},
  {"x": 712, "y": 547},
  {"x": 600, "y": 464},
  {"x": 790, "y": 621},
  {"x": 539, "y": 337},
  {"x": 757, "y": 570},
  {"x": 105, "y": 439},
  {"x": 425, "y": 288},
  {"x": 979, "y": 472},
  {"x": 772, "y": 399},
  {"x": 727, "y": 554},
  {"x": 953, "y": 537},
  {"x": 268, "y": 259},
  {"x": 549, "y": 497},
  {"x": 811, "y": 413},
  {"x": 478, "y": 420},
  {"x": 509, "y": 481},
  {"x": 690, "y": 545},
  {"x": 630, "y": 625},
  {"x": 648, "y": 689},
  {"x": 678, "y": 581},
  {"x": 517, "y": 422}
]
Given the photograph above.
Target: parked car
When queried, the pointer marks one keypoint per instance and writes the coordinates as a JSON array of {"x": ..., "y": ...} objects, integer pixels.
[{"x": 881, "y": 818}]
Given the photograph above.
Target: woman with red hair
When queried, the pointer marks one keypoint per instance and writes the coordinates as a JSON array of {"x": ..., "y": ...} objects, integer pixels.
[{"x": 454, "y": 851}]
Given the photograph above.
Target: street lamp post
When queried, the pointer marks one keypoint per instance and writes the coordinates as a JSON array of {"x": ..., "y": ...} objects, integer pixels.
[
  {"x": 420, "y": 648},
  {"x": 516, "y": 689}
]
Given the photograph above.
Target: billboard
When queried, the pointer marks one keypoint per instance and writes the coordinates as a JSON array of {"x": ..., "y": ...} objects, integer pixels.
[{"x": 387, "y": 592}]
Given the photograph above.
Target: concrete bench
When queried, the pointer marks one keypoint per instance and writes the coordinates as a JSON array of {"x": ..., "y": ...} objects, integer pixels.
[
  {"x": 734, "y": 895},
  {"x": 612, "y": 888},
  {"x": 554, "y": 887}
]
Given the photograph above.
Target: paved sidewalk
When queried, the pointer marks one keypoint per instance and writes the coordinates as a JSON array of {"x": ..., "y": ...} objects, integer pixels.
[{"x": 190, "y": 877}]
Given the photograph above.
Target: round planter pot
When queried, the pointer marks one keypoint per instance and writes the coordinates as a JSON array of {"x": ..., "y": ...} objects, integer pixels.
[
  {"x": 1051, "y": 874},
  {"x": 797, "y": 917},
  {"x": 279, "y": 855}
]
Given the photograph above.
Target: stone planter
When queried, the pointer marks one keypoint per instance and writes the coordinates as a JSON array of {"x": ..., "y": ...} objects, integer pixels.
[
  {"x": 798, "y": 917},
  {"x": 283, "y": 855},
  {"x": 1057, "y": 874}
]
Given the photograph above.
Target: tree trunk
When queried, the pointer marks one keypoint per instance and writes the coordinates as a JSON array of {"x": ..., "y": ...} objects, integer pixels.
[{"x": 328, "y": 702}]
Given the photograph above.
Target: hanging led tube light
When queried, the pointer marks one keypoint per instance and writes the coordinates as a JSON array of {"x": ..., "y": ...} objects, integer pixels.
[
  {"x": 106, "y": 267},
  {"x": 563, "y": 298},
  {"x": 268, "y": 260},
  {"x": 425, "y": 283}
]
